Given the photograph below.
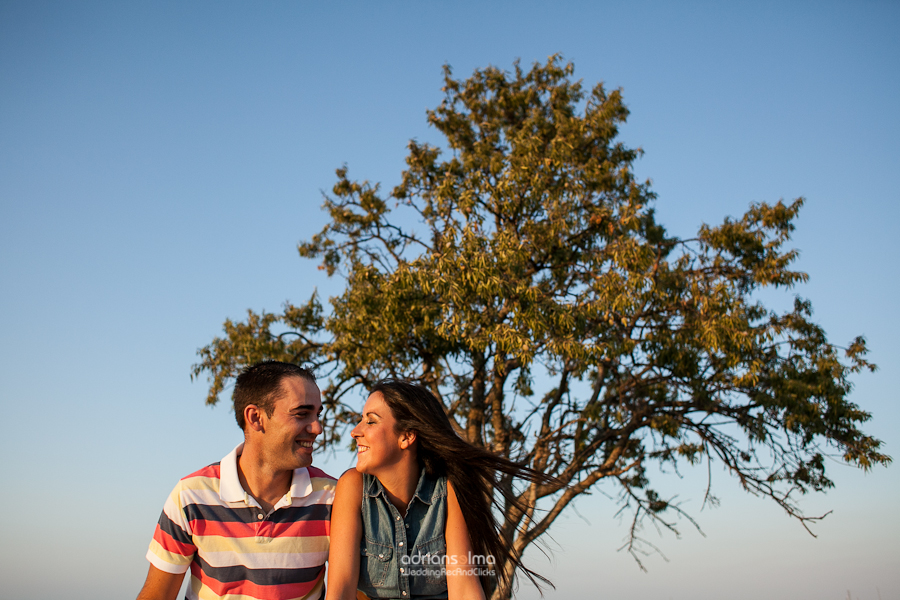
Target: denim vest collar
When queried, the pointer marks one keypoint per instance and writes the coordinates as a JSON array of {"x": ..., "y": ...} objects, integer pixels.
[{"x": 426, "y": 489}]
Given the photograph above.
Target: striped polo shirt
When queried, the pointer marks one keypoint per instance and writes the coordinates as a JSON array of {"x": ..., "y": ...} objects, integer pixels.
[{"x": 235, "y": 550}]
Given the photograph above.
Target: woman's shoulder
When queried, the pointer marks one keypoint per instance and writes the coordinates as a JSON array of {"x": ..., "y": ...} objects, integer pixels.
[
  {"x": 350, "y": 483},
  {"x": 433, "y": 486}
]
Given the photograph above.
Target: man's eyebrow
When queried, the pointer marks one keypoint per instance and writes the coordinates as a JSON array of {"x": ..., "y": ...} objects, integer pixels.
[{"x": 305, "y": 407}]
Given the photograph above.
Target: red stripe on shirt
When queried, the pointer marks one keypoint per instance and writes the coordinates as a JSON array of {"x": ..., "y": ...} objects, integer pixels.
[
  {"x": 248, "y": 588},
  {"x": 314, "y": 472},
  {"x": 170, "y": 544},
  {"x": 233, "y": 529},
  {"x": 301, "y": 529},
  {"x": 211, "y": 471}
]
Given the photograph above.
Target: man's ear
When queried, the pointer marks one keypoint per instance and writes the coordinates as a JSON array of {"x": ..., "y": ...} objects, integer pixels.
[
  {"x": 407, "y": 438},
  {"x": 253, "y": 418}
]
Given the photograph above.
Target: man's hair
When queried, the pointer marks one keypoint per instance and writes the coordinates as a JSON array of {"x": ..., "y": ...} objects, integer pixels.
[{"x": 260, "y": 384}]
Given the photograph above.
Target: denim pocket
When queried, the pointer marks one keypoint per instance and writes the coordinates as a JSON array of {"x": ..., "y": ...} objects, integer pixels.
[
  {"x": 428, "y": 568},
  {"x": 373, "y": 563}
]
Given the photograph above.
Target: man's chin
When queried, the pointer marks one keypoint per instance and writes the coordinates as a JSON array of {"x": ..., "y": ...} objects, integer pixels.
[{"x": 304, "y": 461}]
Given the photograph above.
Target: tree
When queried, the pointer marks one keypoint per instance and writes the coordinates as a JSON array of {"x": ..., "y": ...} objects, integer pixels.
[{"x": 541, "y": 261}]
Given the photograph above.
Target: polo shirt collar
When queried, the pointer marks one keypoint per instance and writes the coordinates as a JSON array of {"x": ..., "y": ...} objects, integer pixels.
[
  {"x": 301, "y": 485},
  {"x": 231, "y": 490}
]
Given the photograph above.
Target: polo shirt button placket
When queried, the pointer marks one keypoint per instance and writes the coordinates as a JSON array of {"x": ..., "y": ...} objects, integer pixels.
[{"x": 263, "y": 529}]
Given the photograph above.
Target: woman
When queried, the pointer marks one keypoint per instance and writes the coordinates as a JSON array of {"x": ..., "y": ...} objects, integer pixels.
[{"x": 414, "y": 519}]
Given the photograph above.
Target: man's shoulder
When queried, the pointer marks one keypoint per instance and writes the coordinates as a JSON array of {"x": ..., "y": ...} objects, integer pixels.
[
  {"x": 320, "y": 479},
  {"x": 212, "y": 471},
  {"x": 315, "y": 472},
  {"x": 200, "y": 487},
  {"x": 207, "y": 478}
]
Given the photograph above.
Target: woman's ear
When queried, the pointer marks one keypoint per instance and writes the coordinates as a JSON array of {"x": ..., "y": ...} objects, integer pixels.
[{"x": 407, "y": 438}]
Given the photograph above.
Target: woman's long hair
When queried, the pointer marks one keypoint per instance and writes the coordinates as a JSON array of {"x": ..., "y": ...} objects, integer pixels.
[{"x": 472, "y": 471}]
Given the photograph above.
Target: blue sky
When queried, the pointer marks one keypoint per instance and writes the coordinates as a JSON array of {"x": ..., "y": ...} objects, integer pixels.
[{"x": 159, "y": 163}]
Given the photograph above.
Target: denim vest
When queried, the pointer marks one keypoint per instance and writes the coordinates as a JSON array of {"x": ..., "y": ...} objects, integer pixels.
[{"x": 403, "y": 557}]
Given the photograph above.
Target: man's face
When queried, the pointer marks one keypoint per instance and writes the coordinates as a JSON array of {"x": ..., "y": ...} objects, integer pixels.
[{"x": 289, "y": 434}]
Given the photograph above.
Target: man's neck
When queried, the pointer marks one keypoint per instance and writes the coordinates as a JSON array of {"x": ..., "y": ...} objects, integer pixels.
[{"x": 260, "y": 481}]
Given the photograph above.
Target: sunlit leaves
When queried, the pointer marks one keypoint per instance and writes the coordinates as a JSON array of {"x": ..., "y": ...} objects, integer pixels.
[{"x": 535, "y": 250}]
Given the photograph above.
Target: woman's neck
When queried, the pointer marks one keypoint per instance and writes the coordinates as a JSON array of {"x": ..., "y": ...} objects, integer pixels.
[{"x": 400, "y": 483}]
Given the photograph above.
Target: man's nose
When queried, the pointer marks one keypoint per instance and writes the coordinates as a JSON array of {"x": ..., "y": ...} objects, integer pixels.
[{"x": 316, "y": 426}]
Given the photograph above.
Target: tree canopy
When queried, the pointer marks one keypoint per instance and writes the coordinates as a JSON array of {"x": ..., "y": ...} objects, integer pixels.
[{"x": 538, "y": 297}]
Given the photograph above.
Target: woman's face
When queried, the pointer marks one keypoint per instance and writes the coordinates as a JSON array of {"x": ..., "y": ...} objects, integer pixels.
[{"x": 378, "y": 444}]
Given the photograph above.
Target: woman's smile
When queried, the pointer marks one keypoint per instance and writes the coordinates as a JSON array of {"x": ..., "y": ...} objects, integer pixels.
[{"x": 376, "y": 436}]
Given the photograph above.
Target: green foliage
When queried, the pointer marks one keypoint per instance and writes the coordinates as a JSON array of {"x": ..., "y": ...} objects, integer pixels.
[{"x": 541, "y": 253}]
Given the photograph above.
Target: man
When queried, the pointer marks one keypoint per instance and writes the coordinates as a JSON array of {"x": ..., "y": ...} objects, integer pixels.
[{"x": 256, "y": 524}]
